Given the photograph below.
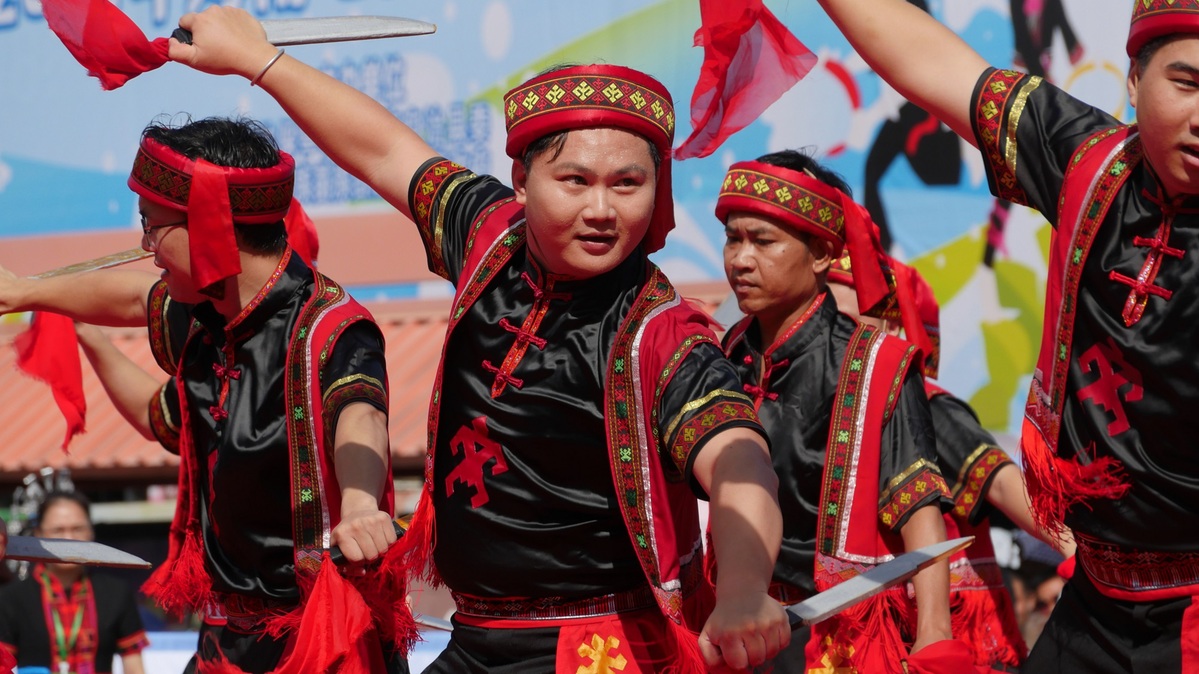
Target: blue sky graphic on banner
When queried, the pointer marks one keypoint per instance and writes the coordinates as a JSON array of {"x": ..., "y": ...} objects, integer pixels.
[{"x": 65, "y": 145}]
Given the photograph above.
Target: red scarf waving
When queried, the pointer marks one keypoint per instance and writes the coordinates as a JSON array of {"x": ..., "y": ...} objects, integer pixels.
[
  {"x": 104, "y": 40},
  {"x": 49, "y": 351},
  {"x": 750, "y": 59}
]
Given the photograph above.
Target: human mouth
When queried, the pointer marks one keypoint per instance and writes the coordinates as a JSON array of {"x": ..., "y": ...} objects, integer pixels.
[{"x": 597, "y": 243}]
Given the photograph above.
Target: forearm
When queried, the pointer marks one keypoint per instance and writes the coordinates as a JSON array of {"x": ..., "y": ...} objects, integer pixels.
[
  {"x": 130, "y": 388},
  {"x": 354, "y": 130},
  {"x": 925, "y": 527},
  {"x": 132, "y": 664},
  {"x": 360, "y": 457},
  {"x": 925, "y": 61},
  {"x": 1008, "y": 493},
  {"x": 744, "y": 514},
  {"x": 108, "y": 297}
]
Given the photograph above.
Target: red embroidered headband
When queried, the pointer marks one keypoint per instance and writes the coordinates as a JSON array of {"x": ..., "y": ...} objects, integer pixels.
[
  {"x": 1152, "y": 19},
  {"x": 806, "y": 204},
  {"x": 591, "y": 96},
  {"x": 214, "y": 197}
]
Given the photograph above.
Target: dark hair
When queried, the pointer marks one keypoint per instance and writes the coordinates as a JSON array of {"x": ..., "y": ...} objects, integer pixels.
[
  {"x": 235, "y": 143},
  {"x": 55, "y": 497},
  {"x": 1150, "y": 48},
  {"x": 552, "y": 142},
  {"x": 804, "y": 163}
]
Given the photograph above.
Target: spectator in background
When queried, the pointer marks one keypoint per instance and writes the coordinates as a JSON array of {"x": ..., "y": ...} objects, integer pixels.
[
  {"x": 1036, "y": 585},
  {"x": 63, "y": 617}
]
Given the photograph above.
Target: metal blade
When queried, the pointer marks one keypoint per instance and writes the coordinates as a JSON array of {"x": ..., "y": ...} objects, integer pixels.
[
  {"x": 68, "y": 551},
  {"x": 864, "y": 586},
  {"x": 114, "y": 260},
  {"x": 315, "y": 30}
]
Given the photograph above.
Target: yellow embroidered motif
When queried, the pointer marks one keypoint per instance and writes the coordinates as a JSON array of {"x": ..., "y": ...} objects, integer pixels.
[
  {"x": 825, "y": 214},
  {"x": 761, "y": 186},
  {"x": 613, "y": 93},
  {"x": 833, "y": 660},
  {"x": 804, "y": 204},
  {"x": 583, "y": 91},
  {"x": 600, "y": 651},
  {"x": 637, "y": 100},
  {"x": 554, "y": 95},
  {"x": 783, "y": 195},
  {"x": 742, "y": 181},
  {"x": 530, "y": 101},
  {"x": 990, "y": 110}
]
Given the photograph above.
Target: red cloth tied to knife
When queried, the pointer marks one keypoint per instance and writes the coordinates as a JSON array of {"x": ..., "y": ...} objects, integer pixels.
[
  {"x": 750, "y": 59},
  {"x": 104, "y": 40},
  {"x": 49, "y": 351}
]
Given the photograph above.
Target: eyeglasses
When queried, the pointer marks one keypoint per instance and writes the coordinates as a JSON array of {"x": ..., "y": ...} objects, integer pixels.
[{"x": 149, "y": 242}]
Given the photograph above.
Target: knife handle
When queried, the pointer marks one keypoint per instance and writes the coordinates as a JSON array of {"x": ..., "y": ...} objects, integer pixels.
[
  {"x": 184, "y": 36},
  {"x": 339, "y": 559}
]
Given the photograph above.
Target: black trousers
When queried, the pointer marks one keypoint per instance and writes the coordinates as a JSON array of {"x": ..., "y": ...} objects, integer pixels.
[{"x": 1089, "y": 632}]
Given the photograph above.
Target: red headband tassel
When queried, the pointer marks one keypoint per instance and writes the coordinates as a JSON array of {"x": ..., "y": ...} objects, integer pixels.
[
  {"x": 864, "y": 252},
  {"x": 214, "y": 253}
]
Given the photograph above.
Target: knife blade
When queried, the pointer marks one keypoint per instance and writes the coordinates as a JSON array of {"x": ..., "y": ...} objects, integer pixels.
[
  {"x": 104, "y": 262},
  {"x": 316, "y": 30},
  {"x": 66, "y": 551},
  {"x": 864, "y": 586}
]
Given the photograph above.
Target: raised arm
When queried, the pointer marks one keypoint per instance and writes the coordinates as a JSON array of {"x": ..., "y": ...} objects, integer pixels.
[
  {"x": 130, "y": 388},
  {"x": 747, "y": 626},
  {"x": 113, "y": 297},
  {"x": 354, "y": 130},
  {"x": 925, "y": 61}
]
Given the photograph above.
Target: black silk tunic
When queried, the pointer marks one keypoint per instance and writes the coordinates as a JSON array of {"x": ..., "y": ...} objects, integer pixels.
[
  {"x": 1132, "y": 391},
  {"x": 244, "y": 459},
  {"x": 523, "y": 487},
  {"x": 967, "y": 454},
  {"x": 796, "y": 401}
]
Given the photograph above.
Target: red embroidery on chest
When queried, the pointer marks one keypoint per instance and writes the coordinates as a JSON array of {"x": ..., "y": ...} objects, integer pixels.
[
  {"x": 1115, "y": 375},
  {"x": 1142, "y": 285},
  {"x": 477, "y": 449},
  {"x": 526, "y": 334}
]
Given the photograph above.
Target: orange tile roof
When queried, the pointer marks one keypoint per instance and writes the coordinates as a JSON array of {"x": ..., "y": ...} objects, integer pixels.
[{"x": 32, "y": 428}]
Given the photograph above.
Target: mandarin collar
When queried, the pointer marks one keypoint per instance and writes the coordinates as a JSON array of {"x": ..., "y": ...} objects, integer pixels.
[{"x": 290, "y": 277}]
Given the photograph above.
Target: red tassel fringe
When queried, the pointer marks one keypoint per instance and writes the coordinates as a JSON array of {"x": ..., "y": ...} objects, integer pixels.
[
  {"x": 862, "y": 638},
  {"x": 418, "y": 542},
  {"x": 1055, "y": 485},
  {"x": 182, "y": 585},
  {"x": 685, "y": 644},
  {"x": 985, "y": 620}
]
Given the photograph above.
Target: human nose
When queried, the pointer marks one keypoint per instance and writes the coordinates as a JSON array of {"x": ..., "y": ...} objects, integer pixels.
[{"x": 599, "y": 204}]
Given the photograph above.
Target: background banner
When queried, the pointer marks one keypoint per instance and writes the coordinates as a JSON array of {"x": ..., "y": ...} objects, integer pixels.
[{"x": 66, "y": 145}]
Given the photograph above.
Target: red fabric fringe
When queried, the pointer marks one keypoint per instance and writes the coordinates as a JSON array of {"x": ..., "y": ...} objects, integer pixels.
[
  {"x": 1055, "y": 485},
  {"x": 182, "y": 585},
  {"x": 49, "y": 352},
  {"x": 418, "y": 542},
  {"x": 685, "y": 643},
  {"x": 986, "y": 621},
  {"x": 863, "y": 638}
]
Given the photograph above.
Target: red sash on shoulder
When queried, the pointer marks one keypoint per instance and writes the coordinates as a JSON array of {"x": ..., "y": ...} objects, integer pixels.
[
  {"x": 1098, "y": 170},
  {"x": 849, "y": 539}
]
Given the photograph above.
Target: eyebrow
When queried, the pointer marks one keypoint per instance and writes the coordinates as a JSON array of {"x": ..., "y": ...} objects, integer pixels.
[
  {"x": 579, "y": 168},
  {"x": 1183, "y": 67}
]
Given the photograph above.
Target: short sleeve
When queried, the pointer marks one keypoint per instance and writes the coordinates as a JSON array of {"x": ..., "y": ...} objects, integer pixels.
[
  {"x": 1028, "y": 130},
  {"x": 355, "y": 371},
  {"x": 447, "y": 200},
  {"x": 967, "y": 453},
  {"x": 909, "y": 478},
  {"x": 702, "y": 398}
]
